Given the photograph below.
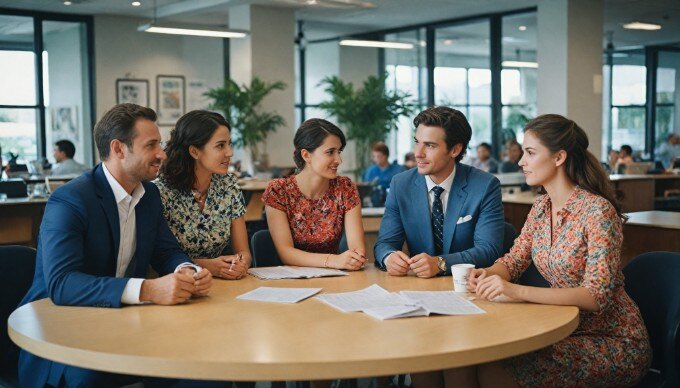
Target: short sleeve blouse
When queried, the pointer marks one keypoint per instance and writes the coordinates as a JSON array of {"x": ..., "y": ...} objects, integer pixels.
[
  {"x": 316, "y": 225},
  {"x": 203, "y": 234}
]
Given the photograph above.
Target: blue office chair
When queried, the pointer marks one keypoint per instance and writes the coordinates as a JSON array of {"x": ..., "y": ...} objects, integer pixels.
[
  {"x": 264, "y": 252},
  {"x": 17, "y": 267},
  {"x": 652, "y": 282}
]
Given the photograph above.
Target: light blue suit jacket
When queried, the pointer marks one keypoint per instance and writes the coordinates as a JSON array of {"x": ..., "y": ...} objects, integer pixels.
[{"x": 407, "y": 217}]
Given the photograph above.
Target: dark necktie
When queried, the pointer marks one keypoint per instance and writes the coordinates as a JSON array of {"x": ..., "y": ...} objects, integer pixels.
[{"x": 438, "y": 220}]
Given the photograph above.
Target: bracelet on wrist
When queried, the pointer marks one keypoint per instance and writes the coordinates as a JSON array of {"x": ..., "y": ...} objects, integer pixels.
[{"x": 325, "y": 262}]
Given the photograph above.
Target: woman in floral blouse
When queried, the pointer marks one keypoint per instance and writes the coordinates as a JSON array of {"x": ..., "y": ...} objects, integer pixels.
[
  {"x": 573, "y": 236},
  {"x": 202, "y": 202},
  {"x": 307, "y": 212}
]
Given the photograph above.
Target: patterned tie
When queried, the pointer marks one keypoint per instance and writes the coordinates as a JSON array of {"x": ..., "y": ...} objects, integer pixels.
[{"x": 438, "y": 220}]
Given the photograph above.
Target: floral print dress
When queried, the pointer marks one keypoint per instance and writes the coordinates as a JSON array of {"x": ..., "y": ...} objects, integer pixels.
[
  {"x": 316, "y": 225},
  {"x": 609, "y": 348},
  {"x": 203, "y": 234}
]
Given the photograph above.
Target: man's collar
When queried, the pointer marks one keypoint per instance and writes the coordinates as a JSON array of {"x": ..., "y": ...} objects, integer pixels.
[
  {"x": 446, "y": 184},
  {"x": 119, "y": 192}
]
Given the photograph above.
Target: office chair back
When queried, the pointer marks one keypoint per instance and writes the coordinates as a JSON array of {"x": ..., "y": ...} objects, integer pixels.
[
  {"x": 651, "y": 280},
  {"x": 17, "y": 267},
  {"x": 264, "y": 251},
  {"x": 531, "y": 276}
]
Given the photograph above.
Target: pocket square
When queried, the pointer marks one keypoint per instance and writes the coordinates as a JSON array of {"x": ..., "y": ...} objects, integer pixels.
[{"x": 465, "y": 219}]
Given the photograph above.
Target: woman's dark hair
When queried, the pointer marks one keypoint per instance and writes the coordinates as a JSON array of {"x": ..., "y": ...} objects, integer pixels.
[
  {"x": 193, "y": 129},
  {"x": 582, "y": 167},
  {"x": 628, "y": 149},
  {"x": 311, "y": 135},
  {"x": 456, "y": 127}
]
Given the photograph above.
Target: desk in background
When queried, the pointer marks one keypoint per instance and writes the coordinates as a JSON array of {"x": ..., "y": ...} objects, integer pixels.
[
  {"x": 249, "y": 341},
  {"x": 20, "y": 220},
  {"x": 650, "y": 231}
]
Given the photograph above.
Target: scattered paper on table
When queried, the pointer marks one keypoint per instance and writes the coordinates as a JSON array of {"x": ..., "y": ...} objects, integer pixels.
[
  {"x": 279, "y": 294},
  {"x": 289, "y": 272},
  {"x": 372, "y": 296},
  {"x": 381, "y": 304}
]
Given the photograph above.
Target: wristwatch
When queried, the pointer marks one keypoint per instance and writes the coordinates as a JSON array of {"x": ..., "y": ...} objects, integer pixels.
[{"x": 441, "y": 263}]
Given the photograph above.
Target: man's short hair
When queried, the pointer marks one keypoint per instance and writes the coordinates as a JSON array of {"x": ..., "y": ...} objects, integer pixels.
[
  {"x": 66, "y": 147},
  {"x": 627, "y": 148},
  {"x": 119, "y": 123},
  {"x": 485, "y": 145},
  {"x": 381, "y": 147},
  {"x": 410, "y": 157},
  {"x": 456, "y": 127}
]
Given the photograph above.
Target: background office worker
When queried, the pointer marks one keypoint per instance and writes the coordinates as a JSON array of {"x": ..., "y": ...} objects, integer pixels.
[
  {"x": 448, "y": 213},
  {"x": 99, "y": 234},
  {"x": 63, "y": 154}
]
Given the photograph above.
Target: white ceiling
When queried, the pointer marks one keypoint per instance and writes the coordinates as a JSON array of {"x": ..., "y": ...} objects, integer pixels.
[{"x": 322, "y": 22}]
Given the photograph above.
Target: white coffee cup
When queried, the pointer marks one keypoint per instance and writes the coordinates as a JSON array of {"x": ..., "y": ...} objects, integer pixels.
[{"x": 461, "y": 274}]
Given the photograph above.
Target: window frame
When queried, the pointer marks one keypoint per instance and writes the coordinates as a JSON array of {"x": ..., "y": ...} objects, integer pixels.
[{"x": 37, "y": 48}]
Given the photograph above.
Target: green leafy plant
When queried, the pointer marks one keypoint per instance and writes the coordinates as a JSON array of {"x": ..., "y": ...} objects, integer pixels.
[
  {"x": 241, "y": 106},
  {"x": 368, "y": 114}
]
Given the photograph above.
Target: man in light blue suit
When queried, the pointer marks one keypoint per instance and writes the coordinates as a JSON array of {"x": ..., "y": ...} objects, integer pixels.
[
  {"x": 100, "y": 233},
  {"x": 448, "y": 213}
]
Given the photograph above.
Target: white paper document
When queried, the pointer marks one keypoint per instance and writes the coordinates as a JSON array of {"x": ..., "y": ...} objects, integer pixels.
[
  {"x": 289, "y": 272},
  {"x": 381, "y": 304},
  {"x": 442, "y": 302},
  {"x": 373, "y": 296},
  {"x": 279, "y": 294}
]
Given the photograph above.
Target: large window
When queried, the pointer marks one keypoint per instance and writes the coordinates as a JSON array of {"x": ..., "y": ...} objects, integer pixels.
[
  {"x": 667, "y": 99},
  {"x": 519, "y": 74},
  {"x": 407, "y": 73},
  {"x": 47, "y": 97},
  {"x": 462, "y": 75},
  {"x": 18, "y": 89},
  {"x": 625, "y": 99}
]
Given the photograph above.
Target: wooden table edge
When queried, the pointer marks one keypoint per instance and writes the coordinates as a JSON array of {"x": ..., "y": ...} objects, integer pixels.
[{"x": 202, "y": 370}]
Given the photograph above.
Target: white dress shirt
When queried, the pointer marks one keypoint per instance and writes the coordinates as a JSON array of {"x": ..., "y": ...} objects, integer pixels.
[
  {"x": 128, "y": 234},
  {"x": 446, "y": 185}
]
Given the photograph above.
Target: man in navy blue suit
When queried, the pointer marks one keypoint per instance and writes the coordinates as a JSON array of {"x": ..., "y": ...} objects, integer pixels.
[
  {"x": 447, "y": 212},
  {"x": 99, "y": 234}
]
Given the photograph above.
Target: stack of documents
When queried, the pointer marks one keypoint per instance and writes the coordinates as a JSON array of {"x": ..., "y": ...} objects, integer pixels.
[
  {"x": 288, "y": 272},
  {"x": 381, "y": 304},
  {"x": 278, "y": 294}
]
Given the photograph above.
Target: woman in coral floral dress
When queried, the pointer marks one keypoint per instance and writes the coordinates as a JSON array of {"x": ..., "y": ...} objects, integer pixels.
[
  {"x": 307, "y": 212},
  {"x": 573, "y": 236}
]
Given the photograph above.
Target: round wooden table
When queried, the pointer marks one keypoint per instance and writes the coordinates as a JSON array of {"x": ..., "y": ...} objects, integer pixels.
[{"x": 221, "y": 338}]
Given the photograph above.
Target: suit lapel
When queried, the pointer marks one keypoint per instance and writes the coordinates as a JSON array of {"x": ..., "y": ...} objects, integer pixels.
[
  {"x": 108, "y": 203},
  {"x": 454, "y": 205},
  {"x": 421, "y": 203}
]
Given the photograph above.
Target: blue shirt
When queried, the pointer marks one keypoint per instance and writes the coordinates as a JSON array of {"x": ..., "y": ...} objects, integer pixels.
[{"x": 384, "y": 175}]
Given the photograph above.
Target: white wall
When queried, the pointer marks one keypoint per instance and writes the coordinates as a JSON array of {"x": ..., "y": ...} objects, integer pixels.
[
  {"x": 123, "y": 52},
  {"x": 67, "y": 85}
]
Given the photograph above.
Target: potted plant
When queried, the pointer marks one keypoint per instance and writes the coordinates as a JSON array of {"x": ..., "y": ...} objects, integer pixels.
[
  {"x": 368, "y": 114},
  {"x": 241, "y": 106}
]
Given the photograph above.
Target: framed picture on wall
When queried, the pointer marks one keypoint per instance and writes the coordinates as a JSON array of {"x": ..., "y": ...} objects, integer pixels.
[
  {"x": 170, "y": 95},
  {"x": 135, "y": 91}
]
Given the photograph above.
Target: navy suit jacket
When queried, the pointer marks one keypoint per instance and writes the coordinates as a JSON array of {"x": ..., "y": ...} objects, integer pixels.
[
  {"x": 407, "y": 217},
  {"x": 78, "y": 252}
]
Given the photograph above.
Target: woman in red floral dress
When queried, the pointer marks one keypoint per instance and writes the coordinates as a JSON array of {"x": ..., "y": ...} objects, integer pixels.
[
  {"x": 573, "y": 236},
  {"x": 307, "y": 212}
]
